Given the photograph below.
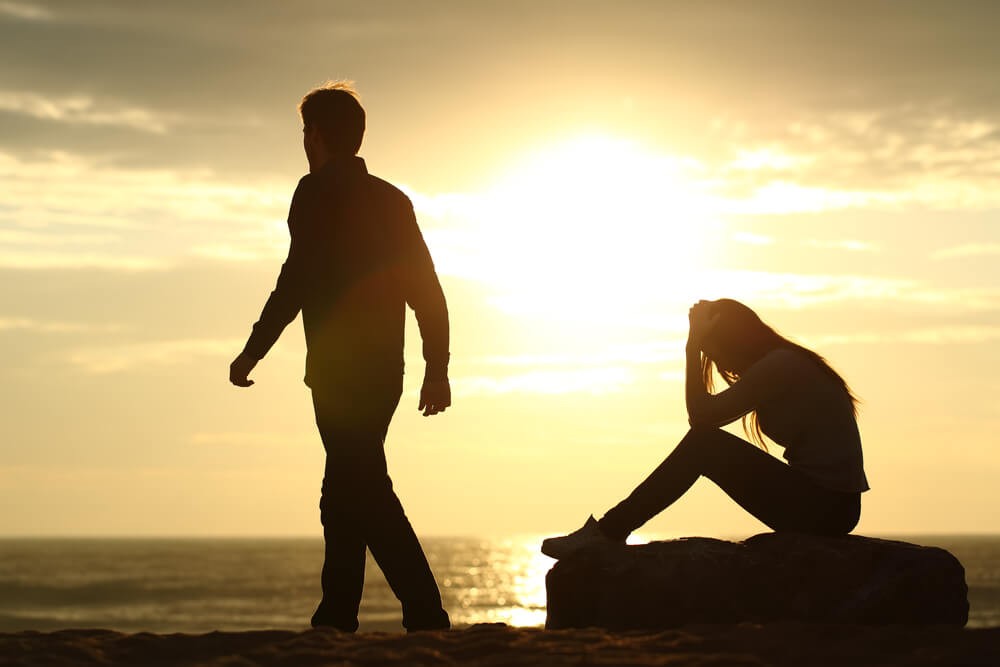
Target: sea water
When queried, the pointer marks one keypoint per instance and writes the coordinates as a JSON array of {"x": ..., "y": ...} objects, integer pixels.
[{"x": 201, "y": 585}]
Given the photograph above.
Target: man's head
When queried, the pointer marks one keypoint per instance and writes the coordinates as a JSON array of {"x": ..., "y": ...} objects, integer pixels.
[{"x": 333, "y": 121}]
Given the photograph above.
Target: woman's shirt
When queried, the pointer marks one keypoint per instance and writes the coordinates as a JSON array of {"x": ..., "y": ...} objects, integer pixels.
[{"x": 802, "y": 409}]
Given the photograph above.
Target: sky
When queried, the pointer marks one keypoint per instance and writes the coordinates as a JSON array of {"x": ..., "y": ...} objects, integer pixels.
[{"x": 582, "y": 171}]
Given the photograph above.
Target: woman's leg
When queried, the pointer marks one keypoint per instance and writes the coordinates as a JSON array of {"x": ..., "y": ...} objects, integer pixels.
[{"x": 777, "y": 495}]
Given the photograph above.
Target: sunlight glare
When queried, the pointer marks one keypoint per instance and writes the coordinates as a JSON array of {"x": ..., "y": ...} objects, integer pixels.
[{"x": 591, "y": 231}]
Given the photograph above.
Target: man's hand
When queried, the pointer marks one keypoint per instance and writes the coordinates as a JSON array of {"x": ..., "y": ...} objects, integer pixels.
[
  {"x": 435, "y": 397},
  {"x": 240, "y": 369}
]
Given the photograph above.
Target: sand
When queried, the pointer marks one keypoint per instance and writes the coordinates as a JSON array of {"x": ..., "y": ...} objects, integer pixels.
[{"x": 496, "y": 645}]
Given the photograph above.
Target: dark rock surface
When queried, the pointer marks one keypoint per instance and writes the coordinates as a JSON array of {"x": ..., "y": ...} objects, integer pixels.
[{"x": 766, "y": 578}]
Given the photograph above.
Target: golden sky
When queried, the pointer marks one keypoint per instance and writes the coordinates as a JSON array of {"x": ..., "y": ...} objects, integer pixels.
[{"x": 582, "y": 171}]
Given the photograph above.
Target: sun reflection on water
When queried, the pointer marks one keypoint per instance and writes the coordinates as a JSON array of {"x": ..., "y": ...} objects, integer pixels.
[{"x": 496, "y": 582}]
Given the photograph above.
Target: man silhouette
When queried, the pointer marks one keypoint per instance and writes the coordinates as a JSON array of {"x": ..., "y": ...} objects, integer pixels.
[{"x": 356, "y": 259}]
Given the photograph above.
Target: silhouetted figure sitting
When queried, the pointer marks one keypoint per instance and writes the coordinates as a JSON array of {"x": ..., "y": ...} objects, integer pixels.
[
  {"x": 356, "y": 259},
  {"x": 783, "y": 390}
]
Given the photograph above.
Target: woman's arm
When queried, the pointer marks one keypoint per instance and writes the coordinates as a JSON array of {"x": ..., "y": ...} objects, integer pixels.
[
  {"x": 765, "y": 379},
  {"x": 760, "y": 382},
  {"x": 696, "y": 396}
]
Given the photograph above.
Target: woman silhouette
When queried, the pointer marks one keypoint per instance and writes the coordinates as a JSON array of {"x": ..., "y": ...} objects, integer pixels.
[{"x": 780, "y": 389}]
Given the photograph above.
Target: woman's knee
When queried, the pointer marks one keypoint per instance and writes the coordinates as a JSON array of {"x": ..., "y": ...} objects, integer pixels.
[
  {"x": 704, "y": 431},
  {"x": 718, "y": 454},
  {"x": 704, "y": 439}
]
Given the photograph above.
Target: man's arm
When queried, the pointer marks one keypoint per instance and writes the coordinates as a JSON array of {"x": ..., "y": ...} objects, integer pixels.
[
  {"x": 285, "y": 300},
  {"x": 425, "y": 296}
]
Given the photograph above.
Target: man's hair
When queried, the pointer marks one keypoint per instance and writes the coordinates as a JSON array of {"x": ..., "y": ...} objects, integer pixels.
[{"x": 335, "y": 108}]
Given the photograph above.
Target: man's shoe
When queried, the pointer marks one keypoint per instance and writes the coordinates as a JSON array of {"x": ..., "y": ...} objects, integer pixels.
[
  {"x": 429, "y": 627},
  {"x": 433, "y": 621},
  {"x": 587, "y": 537},
  {"x": 321, "y": 618}
]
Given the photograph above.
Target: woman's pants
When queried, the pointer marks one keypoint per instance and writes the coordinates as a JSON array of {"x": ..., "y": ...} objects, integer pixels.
[{"x": 774, "y": 492}]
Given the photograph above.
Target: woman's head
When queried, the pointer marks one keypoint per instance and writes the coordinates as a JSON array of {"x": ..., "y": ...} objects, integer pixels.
[{"x": 738, "y": 338}]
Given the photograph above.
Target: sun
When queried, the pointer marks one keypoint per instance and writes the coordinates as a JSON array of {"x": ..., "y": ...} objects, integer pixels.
[{"x": 591, "y": 231}]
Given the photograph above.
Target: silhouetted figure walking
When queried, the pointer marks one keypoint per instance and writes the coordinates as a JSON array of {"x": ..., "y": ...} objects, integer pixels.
[
  {"x": 356, "y": 259},
  {"x": 789, "y": 393}
]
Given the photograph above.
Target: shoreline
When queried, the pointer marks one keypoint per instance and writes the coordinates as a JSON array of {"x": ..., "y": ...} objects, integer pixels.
[{"x": 498, "y": 644}]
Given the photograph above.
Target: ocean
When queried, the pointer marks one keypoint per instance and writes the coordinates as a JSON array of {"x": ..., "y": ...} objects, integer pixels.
[{"x": 201, "y": 585}]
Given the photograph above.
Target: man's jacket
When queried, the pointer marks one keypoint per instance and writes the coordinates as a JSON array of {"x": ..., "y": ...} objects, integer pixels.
[{"x": 356, "y": 259}]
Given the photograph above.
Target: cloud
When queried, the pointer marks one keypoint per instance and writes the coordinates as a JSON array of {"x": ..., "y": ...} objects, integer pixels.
[
  {"x": 766, "y": 158},
  {"x": 129, "y": 356},
  {"x": 66, "y": 211},
  {"x": 85, "y": 110},
  {"x": 39, "y": 326},
  {"x": 36, "y": 261},
  {"x": 887, "y": 159},
  {"x": 69, "y": 188},
  {"x": 673, "y": 376},
  {"x": 661, "y": 350},
  {"x": 752, "y": 239},
  {"x": 229, "y": 252},
  {"x": 875, "y": 108},
  {"x": 783, "y": 71},
  {"x": 949, "y": 335},
  {"x": 797, "y": 290},
  {"x": 29, "y": 237},
  {"x": 250, "y": 439},
  {"x": 849, "y": 245},
  {"x": 588, "y": 380},
  {"x": 968, "y": 250},
  {"x": 782, "y": 197},
  {"x": 25, "y": 11}
]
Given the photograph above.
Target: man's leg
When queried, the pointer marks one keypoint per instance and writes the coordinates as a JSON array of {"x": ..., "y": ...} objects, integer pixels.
[
  {"x": 396, "y": 549},
  {"x": 343, "y": 563},
  {"x": 360, "y": 489},
  {"x": 389, "y": 535},
  {"x": 345, "y": 550},
  {"x": 770, "y": 490}
]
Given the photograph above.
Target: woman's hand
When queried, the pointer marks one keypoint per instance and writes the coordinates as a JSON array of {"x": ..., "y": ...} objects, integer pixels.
[{"x": 701, "y": 321}]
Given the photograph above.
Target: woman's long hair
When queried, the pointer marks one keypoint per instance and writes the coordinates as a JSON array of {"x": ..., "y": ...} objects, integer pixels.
[{"x": 740, "y": 328}]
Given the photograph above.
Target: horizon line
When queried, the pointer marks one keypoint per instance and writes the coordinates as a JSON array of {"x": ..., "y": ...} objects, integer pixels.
[{"x": 509, "y": 536}]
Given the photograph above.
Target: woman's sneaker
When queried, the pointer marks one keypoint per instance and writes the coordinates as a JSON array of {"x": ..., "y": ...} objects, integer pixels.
[{"x": 567, "y": 545}]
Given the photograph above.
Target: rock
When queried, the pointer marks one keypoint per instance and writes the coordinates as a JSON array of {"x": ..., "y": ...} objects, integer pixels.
[{"x": 769, "y": 577}]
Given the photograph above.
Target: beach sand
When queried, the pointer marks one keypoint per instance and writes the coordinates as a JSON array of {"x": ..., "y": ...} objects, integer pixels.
[{"x": 496, "y": 645}]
